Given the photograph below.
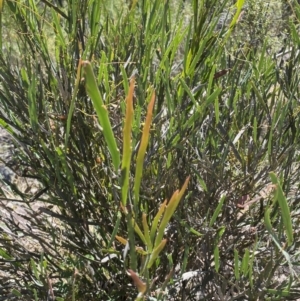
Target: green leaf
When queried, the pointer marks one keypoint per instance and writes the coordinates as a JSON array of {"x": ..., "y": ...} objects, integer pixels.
[
  {"x": 245, "y": 262},
  {"x": 102, "y": 113},
  {"x": 6, "y": 126},
  {"x": 67, "y": 171},
  {"x": 156, "y": 220},
  {"x": 217, "y": 258},
  {"x": 285, "y": 210},
  {"x": 156, "y": 252},
  {"x": 127, "y": 147},
  {"x": 274, "y": 237},
  {"x": 72, "y": 105},
  {"x": 59, "y": 36},
  {"x": 212, "y": 97},
  {"x": 217, "y": 211},
  {"x": 239, "y": 6},
  {"x": 34, "y": 269},
  {"x": 201, "y": 182},
  {"x": 115, "y": 230},
  {"x": 217, "y": 111},
  {"x": 4, "y": 254},
  {"x": 251, "y": 262},
  {"x": 138, "y": 231},
  {"x": 147, "y": 233},
  {"x": 279, "y": 292},
  {"x": 211, "y": 79},
  {"x": 16, "y": 293}
]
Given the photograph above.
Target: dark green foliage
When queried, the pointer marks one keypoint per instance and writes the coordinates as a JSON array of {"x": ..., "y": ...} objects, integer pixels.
[{"x": 226, "y": 114}]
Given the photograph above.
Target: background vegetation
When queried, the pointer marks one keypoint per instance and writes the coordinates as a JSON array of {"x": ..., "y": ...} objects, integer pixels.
[{"x": 114, "y": 107}]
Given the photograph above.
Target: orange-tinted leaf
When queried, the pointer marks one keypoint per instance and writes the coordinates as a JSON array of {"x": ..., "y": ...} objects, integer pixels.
[
  {"x": 177, "y": 195},
  {"x": 127, "y": 147},
  {"x": 121, "y": 240},
  {"x": 140, "y": 285},
  {"x": 142, "y": 150}
]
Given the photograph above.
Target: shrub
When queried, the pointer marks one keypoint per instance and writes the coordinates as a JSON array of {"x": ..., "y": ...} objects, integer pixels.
[{"x": 122, "y": 113}]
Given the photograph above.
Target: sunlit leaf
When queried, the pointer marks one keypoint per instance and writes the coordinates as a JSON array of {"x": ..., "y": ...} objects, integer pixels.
[
  {"x": 102, "y": 113},
  {"x": 171, "y": 207},
  {"x": 156, "y": 252},
  {"x": 142, "y": 150},
  {"x": 127, "y": 147}
]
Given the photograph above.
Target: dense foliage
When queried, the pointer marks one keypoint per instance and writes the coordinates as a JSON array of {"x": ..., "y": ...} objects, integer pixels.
[{"x": 116, "y": 106}]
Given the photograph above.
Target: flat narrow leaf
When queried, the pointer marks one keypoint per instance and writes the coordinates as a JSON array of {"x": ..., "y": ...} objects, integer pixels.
[
  {"x": 156, "y": 219},
  {"x": 251, "y": 261},
  {"x": 211, "y": 78},
  {"x": 156, "y": 252},
  {"x": 72, "y": 105},
  {"x": 115, "y": 230},
  {"x": 32, "y": 103},
  {"x": 268, "y": 225},
  {"x": 127, "y": 147},
  {"x": 217, "y": 211},
  {"x": 16, "y": 293},
  {"x": 102, "y": 113},
  {"x": 217, "y": 111},
  {"x": 142, "y": 150},
  {"x": 285, "y": 210},
  {"x": 67, "y": 171},
  {"x": 187, "y": 90},
  {"x": 217, "y": 258},
  {"x": 171, "y": 207},
  {"x": 212, "y": 97},
  {"x": 279, "y": 292},
  {"x": 6, "y": 126},
  {"x": 138, "y": 231},
  {"x": 146, "y": 232},
  {"x": 59, "y": 35},
  {"x": 121, "y": 240},
  {"x": 125, "y": 79},
  {"x": 4, "y": 254},
  {"x": 34, "y": 269},
  {"x": 245, "y": 262}
]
